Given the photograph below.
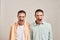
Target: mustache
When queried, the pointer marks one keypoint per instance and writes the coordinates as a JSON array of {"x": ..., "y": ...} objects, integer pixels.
[{"x": 20, "y": 20}]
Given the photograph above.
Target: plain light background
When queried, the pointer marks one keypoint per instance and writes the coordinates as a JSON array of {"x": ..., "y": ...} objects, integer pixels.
[{"x": 9, "y": 9}]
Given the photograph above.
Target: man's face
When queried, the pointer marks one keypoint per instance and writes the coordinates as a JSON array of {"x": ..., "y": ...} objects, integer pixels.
[
  {"x": 39, "y": 16},
  {"x": 21, "y": 17}
]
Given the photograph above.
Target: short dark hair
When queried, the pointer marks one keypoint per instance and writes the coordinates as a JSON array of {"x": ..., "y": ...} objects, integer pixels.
[
  {"x": 39, "y": 10},
  {"x": 21, "y": 11}
]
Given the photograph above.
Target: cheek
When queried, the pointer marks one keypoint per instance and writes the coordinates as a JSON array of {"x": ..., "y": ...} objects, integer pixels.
[{"x": 19, "y": 18}]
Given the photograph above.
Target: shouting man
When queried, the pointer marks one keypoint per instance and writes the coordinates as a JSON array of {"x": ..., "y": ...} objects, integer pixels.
[{"x": 40, "y": 30}]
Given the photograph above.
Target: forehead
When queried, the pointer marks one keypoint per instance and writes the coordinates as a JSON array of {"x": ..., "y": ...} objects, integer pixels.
[
  {"x": 21, "y": 14},
  {"x": 39, "y": 13}
]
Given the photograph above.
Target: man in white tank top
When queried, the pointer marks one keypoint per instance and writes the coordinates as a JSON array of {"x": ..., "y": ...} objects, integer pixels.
[{"x": 20, "y": 29}]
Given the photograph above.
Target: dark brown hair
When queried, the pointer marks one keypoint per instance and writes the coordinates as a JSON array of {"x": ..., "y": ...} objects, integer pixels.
[
  {"x": 21, "y": 11},
  {"x": 39, "y": 10}
]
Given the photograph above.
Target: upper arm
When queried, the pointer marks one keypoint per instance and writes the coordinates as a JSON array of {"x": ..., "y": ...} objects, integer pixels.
[{"x": 10, "y": 32}]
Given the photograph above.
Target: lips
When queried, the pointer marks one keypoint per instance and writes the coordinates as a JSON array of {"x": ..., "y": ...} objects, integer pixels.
[{"x": 39, "y": 19}]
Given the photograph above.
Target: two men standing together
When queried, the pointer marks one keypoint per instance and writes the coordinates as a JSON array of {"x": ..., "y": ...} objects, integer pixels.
[{"x": 38, "y": 30}]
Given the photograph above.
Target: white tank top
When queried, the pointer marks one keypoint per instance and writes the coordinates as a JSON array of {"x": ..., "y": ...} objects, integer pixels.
[{"x": 20, "y": 33}]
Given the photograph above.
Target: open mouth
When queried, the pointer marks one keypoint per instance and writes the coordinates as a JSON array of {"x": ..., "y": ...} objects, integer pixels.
[{"x": 39, "y": 19}]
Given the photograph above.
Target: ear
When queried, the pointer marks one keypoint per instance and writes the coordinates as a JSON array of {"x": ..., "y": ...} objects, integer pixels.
[
  {"x": 17, "y": 15},
  {"x": 34, "y": 15},
  {"x": 43, "y": 16}
]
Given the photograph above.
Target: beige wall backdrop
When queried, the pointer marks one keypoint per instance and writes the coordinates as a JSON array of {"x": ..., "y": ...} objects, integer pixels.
[{"x": 9, "y": 9}]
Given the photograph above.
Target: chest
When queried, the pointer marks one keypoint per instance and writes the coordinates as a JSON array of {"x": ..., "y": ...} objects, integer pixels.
[
  {"x": 20, "y": 30},
  {"x": 40, "y": 29}
]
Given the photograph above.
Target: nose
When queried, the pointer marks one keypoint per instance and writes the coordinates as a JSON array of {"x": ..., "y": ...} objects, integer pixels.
[
  {"x": 40, "y": 17},
  {"x": 21, "y": 18}
]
